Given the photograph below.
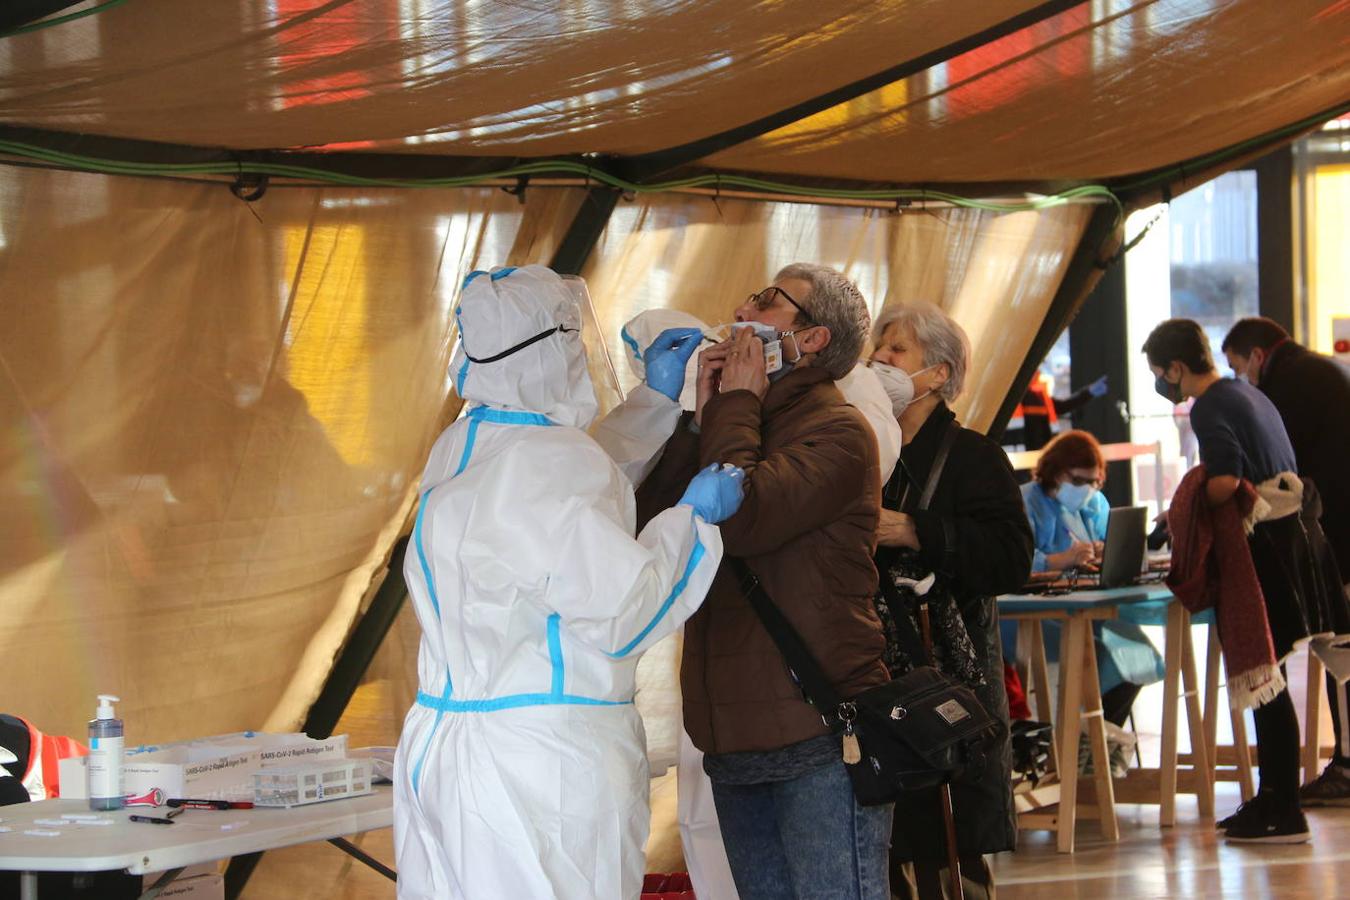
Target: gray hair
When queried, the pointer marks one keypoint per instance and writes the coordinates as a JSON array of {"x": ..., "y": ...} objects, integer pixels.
[
  {"x": 938, "y": 335},
  {"x": 836, "y": 303}
]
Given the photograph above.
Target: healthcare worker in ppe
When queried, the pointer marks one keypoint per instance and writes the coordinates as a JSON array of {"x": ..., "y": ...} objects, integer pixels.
[
  {"x": 521, "y": 770},
  {"x": 634, "y": 434}
]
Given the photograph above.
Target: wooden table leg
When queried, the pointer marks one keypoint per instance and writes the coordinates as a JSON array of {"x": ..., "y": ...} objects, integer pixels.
[
  {"x": 1073, "y": 635},
  {"x": 1040, "y": 674},
  {"x": 1202, "y": 756},
  {"x": 1096, "y": 729},
  {"x": 1167, "y": 765},
  {"x": 1023, "y": 666},
  {"x": 1312, "y": 718}
]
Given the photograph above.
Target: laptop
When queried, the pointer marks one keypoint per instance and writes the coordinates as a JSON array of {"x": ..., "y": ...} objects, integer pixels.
[
  {"x": 1122, "y": 558},
  {"x": 1123, "y": 554}
]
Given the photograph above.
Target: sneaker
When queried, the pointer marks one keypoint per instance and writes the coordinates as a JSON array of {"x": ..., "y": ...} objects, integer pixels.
[
  {"x": 1249, "y": 809},
  {"x": 1120, "y": 744},
  {"x": 1119, "y": 749},
  {"x": 1331, "y": 788},
  {"x": 1262, "y": 820}
]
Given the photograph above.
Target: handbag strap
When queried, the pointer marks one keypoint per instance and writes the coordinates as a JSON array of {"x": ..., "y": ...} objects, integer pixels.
[
  {"x": 817, "y": 688},
  {"x": 888, "y": 590},
  {"x": 935, "y": 471}
]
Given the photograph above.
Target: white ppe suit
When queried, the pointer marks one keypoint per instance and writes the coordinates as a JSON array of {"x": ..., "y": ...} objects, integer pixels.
[{"x": 521, "y": 770}]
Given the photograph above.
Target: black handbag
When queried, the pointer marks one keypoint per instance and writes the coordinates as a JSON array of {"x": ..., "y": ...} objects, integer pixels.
[{"x": 920, "y": 730}]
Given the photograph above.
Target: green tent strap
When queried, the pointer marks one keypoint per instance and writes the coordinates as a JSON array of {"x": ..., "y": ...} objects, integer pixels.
[
  {"x": 543, "y": 168},
  {"x": 69, "y": 17}
]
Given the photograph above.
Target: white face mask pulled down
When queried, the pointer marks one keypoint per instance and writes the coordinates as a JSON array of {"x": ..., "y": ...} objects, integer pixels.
[{"x": 899, "y": 386}]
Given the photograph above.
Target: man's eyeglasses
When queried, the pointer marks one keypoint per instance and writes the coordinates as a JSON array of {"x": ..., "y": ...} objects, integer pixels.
[{"x": 762, "y": 300}]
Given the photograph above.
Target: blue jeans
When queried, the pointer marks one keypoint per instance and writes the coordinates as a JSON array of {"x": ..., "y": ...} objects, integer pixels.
[{"x": 805, "y": 839}]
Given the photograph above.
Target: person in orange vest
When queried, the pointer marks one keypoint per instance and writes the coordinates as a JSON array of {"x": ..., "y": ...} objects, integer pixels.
[
  {"x": 1040, "y": 409},
  {"x": 28, "y": 761}
]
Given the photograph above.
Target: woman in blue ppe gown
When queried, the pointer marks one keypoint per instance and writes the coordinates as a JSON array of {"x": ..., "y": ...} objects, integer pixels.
[{"x": 1068, "y": 521}]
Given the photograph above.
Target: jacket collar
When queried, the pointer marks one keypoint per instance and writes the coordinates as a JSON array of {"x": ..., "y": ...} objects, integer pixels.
[
  {"x": 786, "y": 391},
  {"x": 918, "y": 455},
  {"x": 1285, "y": 351}
]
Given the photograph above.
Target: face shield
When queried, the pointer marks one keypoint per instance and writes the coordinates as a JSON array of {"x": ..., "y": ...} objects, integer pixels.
[{"x": 604, "y": 378}]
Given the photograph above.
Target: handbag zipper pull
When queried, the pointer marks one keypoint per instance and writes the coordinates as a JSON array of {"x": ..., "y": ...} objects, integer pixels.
[{"x": 852, "y": 751}]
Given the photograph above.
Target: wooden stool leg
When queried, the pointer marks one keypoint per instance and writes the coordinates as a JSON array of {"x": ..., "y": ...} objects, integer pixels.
[
  {"x": 1167, "y": 765},
  {"x": 1312, "y": 719},
  {"x": 1096, "y": 729},
  {"x": 1243, "y": 748},
  {"x": 1202, "y": 755},
  {"x": 1213, "y": 656},
  {"x": 1072, "y": 637},
  {"x": 1241, "y": 745}
]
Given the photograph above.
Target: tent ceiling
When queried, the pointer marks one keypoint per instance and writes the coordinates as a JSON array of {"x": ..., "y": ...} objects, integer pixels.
[
  {"x": 491, "y": 78},
  {"x": 1107, "y": 88},
  {"x": 1103, "y": 90}
]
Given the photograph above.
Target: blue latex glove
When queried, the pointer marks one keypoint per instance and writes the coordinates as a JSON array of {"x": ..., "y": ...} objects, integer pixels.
[
  {"x": 667, "y": 357},
  {"x": 715, "y": 493},
  {"x": 1098, "y": 387}
]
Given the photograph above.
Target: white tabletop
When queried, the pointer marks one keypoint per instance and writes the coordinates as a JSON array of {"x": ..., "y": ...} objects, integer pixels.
[{"x": 197, "y": 835}]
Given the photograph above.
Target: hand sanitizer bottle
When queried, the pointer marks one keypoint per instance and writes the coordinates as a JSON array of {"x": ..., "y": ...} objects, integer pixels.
[{"x": 104, "y": 765}]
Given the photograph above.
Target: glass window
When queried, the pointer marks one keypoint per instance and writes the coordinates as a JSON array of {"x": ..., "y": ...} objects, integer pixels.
[
  {"x": 1323, "y": 161},
  {"x": 1213, "y": 253},
  {"x": 1198, "y": 261}
]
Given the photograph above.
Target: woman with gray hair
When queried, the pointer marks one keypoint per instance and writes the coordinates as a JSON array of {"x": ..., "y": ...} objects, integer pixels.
[{"x": 952, "y": 510}]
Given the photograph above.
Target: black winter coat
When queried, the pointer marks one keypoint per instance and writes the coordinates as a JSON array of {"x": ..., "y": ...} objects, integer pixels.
[
  {"x": 1312, "y": 394},
  {"x": 976, "y": 535}
]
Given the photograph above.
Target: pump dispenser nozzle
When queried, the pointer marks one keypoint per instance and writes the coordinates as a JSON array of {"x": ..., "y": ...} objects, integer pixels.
[{"x": 105, "y": 708}]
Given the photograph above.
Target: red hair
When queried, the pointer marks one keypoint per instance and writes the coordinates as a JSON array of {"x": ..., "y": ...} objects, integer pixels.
[{"x": 1070, "y": 450}]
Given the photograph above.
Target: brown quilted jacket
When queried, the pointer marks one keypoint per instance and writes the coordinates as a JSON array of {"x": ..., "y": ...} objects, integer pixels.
[{"x": 807, "y": 528}]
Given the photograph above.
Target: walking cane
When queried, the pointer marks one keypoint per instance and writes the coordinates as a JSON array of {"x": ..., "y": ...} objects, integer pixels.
[{"x": 944, "y": 790}]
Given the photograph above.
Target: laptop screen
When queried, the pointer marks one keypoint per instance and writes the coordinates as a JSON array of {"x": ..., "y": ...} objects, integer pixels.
[{"x": 1123, "y": 554}]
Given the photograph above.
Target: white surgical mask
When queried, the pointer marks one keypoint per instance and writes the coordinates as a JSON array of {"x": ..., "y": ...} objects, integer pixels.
[
  {"x": 1074, "y": 497},
  {"x": 899, "y": 385}
]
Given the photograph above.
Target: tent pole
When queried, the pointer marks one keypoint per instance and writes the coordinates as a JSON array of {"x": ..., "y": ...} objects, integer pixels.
[
  {"x": 1090, "y": 260},
  {"x": 584, "y": 232},
  {"x": 343, "y": 680},
  {"x": 18, "y": 13},
  {"x": 360, "y": 649}
]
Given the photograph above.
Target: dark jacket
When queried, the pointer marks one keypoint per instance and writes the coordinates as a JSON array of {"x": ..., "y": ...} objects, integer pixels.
[
  {"x": 976, "y": 537},
  {"x": 807, "y": 528},
  {"x": 1312, "y": 393}
]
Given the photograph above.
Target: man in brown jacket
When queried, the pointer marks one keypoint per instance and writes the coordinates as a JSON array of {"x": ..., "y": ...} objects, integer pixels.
[{"x": 807, "y": 529}]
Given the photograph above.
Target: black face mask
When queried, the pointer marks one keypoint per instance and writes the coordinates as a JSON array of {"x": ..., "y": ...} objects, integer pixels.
[
  {"x": 521, "y": 346},
  {"x": 1167, "y": 390}
]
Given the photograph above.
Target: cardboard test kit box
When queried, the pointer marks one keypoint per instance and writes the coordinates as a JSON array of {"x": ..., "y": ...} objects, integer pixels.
[{"x": 214, "y": 768}]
